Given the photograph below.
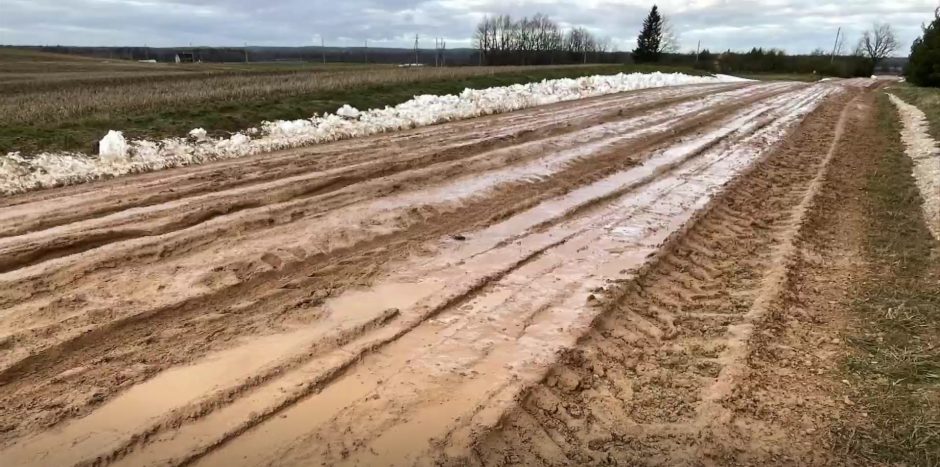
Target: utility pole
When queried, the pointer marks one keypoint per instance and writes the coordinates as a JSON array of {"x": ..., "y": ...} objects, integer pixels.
[
  {"x": 437, "y": 51},
  {"x": 366, "y": 51},
  {"x": 322, "y": 49},
  {"x": 698, "y": 48},
  {"x": 416, "y": 50},
  {"x": 246, "y": 52},
  {"x": 832, "y": 57}
]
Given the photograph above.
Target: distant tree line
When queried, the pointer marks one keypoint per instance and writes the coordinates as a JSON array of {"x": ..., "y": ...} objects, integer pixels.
[
  {"x": 759, "y": 60},
  {"x": 656, "y": 40},
  {"x": 502, "y": 40},
  {"x": 538, "y": 40},
  {"x": 457, "y": 56}
]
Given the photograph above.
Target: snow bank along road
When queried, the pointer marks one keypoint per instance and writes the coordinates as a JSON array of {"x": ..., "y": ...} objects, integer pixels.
[
  {"x": 390, "y": 299},
  {"x": 922, "y": 149},
  {"x": 118, "y": 156}
]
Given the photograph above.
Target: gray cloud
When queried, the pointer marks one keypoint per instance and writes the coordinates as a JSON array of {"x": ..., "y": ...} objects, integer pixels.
[{"x": 793, "y": 25}]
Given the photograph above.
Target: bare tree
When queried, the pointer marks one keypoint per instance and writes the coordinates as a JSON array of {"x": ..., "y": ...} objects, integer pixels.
[
  {"x": 580, "y": 41},
  {"x": 502, "y": 40},
  {"x": 878, "y": 43},
  {"x": 670, "y": 40},
  {"x": 483, "y": 36}
]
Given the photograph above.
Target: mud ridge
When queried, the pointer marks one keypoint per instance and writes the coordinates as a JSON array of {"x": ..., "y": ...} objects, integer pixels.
[
  {"x": 573, "y": 430},
  {"x": 406, "y": 304},
  {"x": 288, "y": 164}
]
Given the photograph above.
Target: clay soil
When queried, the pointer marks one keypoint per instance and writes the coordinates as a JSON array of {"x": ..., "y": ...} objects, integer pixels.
[{"x": 663, "y": 277}]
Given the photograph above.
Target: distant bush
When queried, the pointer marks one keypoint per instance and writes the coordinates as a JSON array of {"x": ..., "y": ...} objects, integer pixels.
[
  {"x": 923, "y": 69},
  {"x": 775, "y": 61}
]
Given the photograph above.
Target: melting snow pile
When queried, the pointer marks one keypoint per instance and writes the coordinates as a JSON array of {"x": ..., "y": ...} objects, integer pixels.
[
  {"x": 923, "y": 150},
  {"x": 118, "y": 156}
]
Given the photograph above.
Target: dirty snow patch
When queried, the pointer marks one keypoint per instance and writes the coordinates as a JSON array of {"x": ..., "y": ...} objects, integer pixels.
[
  {"x": 118, "y": 156},
  {"x": 113, "y": 146},
  {"x": 922, "y": 149},
  {"x": 732, "y": 79}
]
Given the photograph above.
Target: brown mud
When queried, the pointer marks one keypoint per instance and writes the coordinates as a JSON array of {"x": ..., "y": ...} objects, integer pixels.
[{"x": 577, "y": 283}]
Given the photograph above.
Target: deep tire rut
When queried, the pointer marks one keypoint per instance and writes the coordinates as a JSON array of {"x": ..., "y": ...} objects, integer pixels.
[
  {"x": 383, "y": 292},
  {"x": 646, "y": 386}
]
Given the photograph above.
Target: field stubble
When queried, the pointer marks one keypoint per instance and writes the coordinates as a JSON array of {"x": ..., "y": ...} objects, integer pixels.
[{"x": 69, "y": 105}]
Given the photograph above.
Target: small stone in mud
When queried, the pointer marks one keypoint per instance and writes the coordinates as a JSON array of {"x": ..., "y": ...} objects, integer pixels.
[
  {"x": 552, "y": 381},
  {"x": 458, "y": 237},
  {"x": 568, "y": 380},
  {"x": 96, "y": 397},
  {"x": 575, "y": 411},
  {"x": 272, "y": 260}
]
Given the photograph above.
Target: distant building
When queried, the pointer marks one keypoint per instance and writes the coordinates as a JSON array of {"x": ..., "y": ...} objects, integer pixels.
[{"x": 185, "y": 57}]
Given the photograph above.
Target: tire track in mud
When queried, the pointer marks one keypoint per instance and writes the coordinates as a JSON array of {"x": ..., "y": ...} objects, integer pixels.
[
  {"x": 424, "y": 318},
  {"x": 389, "y": 431},
  {"x": 646, "y": 385},
  {"x": 160, "y": 248},
  {"x": 98, "y": 344},
  {"x": 275, "y": 197},
  {"x": 293, "y": 285},
  {"x": 451, "y": 142},
  {"x": 580, "y": 173}
]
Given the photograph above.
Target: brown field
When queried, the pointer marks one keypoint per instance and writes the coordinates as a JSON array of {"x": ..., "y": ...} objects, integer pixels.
[
  {"x": 76, "y": 96},
  {"x": 56, "y": 97},
  {"x": 54, "y": 102}
]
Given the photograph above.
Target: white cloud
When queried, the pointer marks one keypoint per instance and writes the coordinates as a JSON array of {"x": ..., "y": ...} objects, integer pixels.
[{"x": 793, "y": 25}]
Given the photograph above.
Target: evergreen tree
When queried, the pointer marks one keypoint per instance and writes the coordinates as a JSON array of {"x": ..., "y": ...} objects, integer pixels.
[
  {"x": 923, "y": 69},
  {"x": 650, "y": 38}
]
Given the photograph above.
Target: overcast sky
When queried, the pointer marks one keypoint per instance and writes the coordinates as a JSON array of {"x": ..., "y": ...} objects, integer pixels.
[{"x": 793, "y": 25}]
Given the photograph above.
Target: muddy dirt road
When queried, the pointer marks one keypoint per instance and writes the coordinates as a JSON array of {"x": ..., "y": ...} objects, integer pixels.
[{"x": 417, "y": 297}]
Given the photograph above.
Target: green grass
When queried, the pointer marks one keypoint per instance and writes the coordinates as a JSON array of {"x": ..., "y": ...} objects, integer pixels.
[
  {"x": 895, "y": 361},
  {"x": 926, "y": 99},
  {"x": 176, "y": 118}
]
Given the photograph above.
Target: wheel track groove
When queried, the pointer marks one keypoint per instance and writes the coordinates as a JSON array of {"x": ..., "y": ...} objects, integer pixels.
[
  {"x": 296, "y": 276},
  {"x": 543, "y": 431}
]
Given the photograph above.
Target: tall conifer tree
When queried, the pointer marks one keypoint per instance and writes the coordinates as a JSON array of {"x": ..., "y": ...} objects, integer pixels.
[{"x": 648, "y": 42}]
